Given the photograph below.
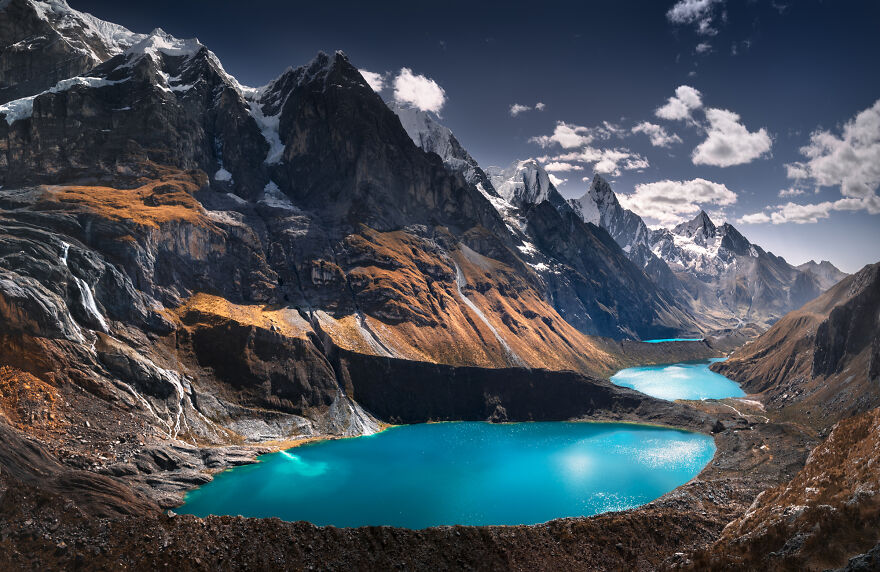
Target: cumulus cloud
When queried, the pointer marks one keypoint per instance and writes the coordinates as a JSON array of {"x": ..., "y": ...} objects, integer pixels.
[
  {"x": 728, "y": 142},
  {"x": 577, "y": 140},
  {"x": 703, "y": 48},
  {"x": 670, "y": 202},
  {"x": 790, "y": 192},
  {"x": 604, "y": 161},
  {"x": 375, "y": 80},
  {"x": 561, "y": 166},
  {"x": 566, "y": 136},
  {"x": 517, "y": 108},
  {"x": 755, "y": 218},
  {"x": 680, "y": 106},
  {"x": 418, "y": 91},
  {"x": 556, "y": 180},
  {"x": 659, "y": 136},
  {"x": 699, "y": 13},
  {"x": 814, "y": 212},
  {"x": 850, "y": 161}
]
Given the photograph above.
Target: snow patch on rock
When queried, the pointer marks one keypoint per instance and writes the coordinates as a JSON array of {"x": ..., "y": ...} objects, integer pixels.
[{"x": 23, "y": 108}]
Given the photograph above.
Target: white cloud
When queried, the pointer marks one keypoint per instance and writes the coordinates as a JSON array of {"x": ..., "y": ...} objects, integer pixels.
[
  {"x": 418, "y": 91},
  {"x": 608, "y": 129},
  {"x": 605, "y": 161},
  {"x": 670, "y": 202},
  {"x": 850, "y": 161},
  {"x": 728, "y": 142},
  {"x": 755, "y": 218},
  {"x": 659, "y": 136},
  {"x": 577, "y": 138},
  {"x": 812, "y": 213},
  {"x": 680, "y": 106},
  {"x": 375, "y": 80},
  {"x": 790, "y": 192},
  {"x": 556, "y": 180},
  {"x": 703, "y": 47},
  {"x": 561, "y": 166},
  {"x": 517, "y": 108},
  {"x": 565, "y": 135},
  {"x": 697, "y": 12}
]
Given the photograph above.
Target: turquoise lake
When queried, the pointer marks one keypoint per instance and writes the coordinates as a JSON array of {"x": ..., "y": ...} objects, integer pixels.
[
  {"x": 673, "y": 340},
  {"x": 686, "y": 380},
  {"x": 473, "y": 473}
]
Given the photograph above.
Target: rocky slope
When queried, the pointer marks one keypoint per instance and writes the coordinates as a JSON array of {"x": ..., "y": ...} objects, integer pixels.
[
  {"x": 821, "y": 363},
  {"x": 819, "y": 519}
]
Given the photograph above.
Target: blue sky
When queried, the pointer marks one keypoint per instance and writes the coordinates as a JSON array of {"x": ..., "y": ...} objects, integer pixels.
[{"x": 768, "y": 97}]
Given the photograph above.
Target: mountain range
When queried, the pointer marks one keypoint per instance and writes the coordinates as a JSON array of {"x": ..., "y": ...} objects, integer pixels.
[
  {"x": 194, "y": 271},
  {"x": 703, "y": 270}
]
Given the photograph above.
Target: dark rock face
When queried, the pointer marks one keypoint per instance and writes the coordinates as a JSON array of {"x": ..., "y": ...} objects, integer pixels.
[
  {"x": 623, "y": 298},
  {"x": 39, "y": 48},
  {"x": 851, "y": 328},
  {"x": 130, "y": 118},
  {"x": 273, "y": 371},
  {"x": 414, "y": 392},
  {"x": 347, "y": 155}
]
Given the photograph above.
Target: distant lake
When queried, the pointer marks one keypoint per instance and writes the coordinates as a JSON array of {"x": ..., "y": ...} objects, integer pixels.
[
  {"x": 471, "y": 473},
  {"x": 685, "y": 380},
  {"x": 673, "y": 340}
]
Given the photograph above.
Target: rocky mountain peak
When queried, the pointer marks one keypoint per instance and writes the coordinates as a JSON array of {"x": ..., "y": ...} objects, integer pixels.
[
  {"x": 524, "y": 183},
  {"x": 161, "y": 42},
  {"x": 601, "y": 190},
  {"x": 824, "y": 272},
  {"x": 433, "y": 137},
  {"x": 700, "y": 225},
  {"x": 45, "y": 42}
]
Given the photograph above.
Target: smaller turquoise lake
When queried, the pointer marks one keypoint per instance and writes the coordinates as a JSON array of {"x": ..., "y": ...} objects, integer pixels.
[
  {"x": 685, "y": 380},
  {"x": 673, "y": 340},
  {"x": 470, "y": 473}
]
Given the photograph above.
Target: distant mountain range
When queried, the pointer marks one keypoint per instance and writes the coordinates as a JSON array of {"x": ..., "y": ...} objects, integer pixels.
[{"x": 703, "y": 270}]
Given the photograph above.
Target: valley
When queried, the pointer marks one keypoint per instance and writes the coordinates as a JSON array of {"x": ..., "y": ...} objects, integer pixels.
[{"x": 209, "y": 291}]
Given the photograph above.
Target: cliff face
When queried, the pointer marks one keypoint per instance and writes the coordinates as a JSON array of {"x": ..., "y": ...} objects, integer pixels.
[
  {"x": 819, "y": 363},
  {"x": 46, "y": 42}
]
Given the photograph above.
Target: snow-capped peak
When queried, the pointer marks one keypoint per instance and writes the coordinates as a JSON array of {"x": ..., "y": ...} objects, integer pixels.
[
  {"x": 599, "y": 204},
  {"x": 97, "y": 38},
  {"x": 160, "y": 42},
  {"x": 524, "y": 182},
  {"x": 700, "y": 227}
]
